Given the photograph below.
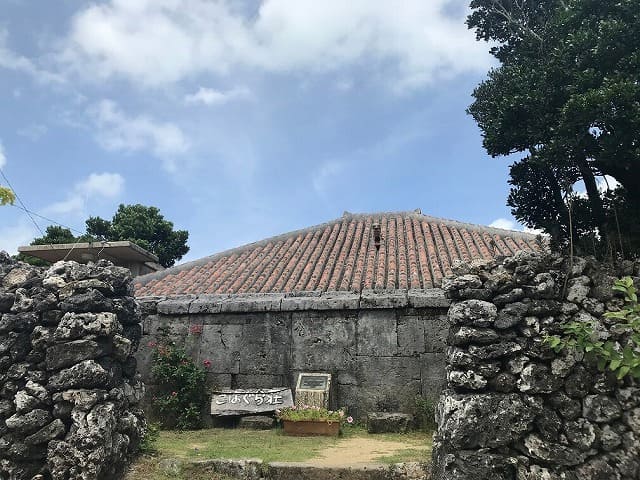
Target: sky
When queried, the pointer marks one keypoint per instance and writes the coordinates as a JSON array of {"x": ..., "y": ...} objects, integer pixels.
[{"x": 241, "y": 119}]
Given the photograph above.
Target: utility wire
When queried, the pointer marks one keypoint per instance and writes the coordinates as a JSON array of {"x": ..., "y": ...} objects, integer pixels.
[
  {"x": 47, "y": 219},
  {"x": 24, "y": 207}
]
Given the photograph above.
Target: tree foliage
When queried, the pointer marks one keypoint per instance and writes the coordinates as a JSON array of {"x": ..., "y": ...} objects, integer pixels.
[
  {"x": 567, "y": 96},
  {"x": 144, "y": 226},
  {"x": 53, "y": 235},
  {"x": 7, "y": 197}
]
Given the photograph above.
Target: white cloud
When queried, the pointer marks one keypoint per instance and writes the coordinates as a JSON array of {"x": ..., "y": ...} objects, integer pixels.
[
  {"x": 603, "y": 183},
  {"x": 3, "y": 157},
  {"x": 504, "y": 223},
  {"x": 97, "y": 186},
  {"x": 14, "y": 236},
  {"x": 107, "y": 185},
  {"x": 324, "y": 175},
  {"x": 33, "y": 132},
  {"x": 209, "y": 96},
  {"x": 410, "y": 43},
  {"x": 118, "y": 131},
  {"x": 607, "y": 183},
  {"x": 12, "y": 61},
  {"x": 508, "y": 224}
]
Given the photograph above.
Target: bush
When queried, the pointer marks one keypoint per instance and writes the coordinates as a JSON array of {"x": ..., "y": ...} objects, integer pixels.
[
  {"x": 182, "y": 389},
  {"x": 149, "y": 438},
  {"x": 425, "y": 414}
]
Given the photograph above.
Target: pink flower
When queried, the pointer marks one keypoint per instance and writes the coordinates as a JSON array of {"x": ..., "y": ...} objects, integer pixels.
[
  {"x": 349, "y": 419},
  {"x": 151, "y": 344},
  {"x": 173, "y": 394},
  {"x": 207, "y": 363}
]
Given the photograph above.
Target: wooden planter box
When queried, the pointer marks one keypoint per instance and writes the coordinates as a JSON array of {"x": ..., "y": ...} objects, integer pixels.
[{"x": 305, "y": 428}]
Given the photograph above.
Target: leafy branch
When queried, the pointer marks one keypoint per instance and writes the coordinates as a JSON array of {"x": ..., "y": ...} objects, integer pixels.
[
  {"x": 582, "y": 336},
  {"x": 6, "y": 196}
]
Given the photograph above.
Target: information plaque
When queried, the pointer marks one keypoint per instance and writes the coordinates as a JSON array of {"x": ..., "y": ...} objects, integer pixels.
[{"x": 312, "y": 389}]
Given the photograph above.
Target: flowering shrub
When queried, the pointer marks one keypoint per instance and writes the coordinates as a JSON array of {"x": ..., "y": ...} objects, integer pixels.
[
  {"x": 319, "y": 414},
  {"x": 181, "y": 384}
]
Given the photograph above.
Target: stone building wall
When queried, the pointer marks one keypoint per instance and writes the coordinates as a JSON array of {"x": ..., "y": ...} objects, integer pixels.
[
  {"x": 382, "y": 349},
  {"x": 514, "y": 409},
  {"x": 69, "y": 392}
]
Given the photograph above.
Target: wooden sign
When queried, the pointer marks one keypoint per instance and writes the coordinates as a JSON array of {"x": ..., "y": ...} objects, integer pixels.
[{"x": 250, "y": 401}]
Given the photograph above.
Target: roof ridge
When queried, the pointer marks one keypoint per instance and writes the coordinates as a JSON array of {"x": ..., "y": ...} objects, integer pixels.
[{"x": 417, "y": 214}]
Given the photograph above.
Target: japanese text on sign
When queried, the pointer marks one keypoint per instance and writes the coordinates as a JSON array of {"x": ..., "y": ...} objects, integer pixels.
[{"x": 249, "y": 398}]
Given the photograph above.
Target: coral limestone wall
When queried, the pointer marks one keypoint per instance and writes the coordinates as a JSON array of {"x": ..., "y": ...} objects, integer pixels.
[
  {"x": 513, "y": 408},
  {"x": 68, "y": 390},
  {"x": 382, "y": 348}
]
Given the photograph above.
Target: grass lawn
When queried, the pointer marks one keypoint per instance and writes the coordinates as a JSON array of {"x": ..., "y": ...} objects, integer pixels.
[{"x": 268, "y": 445}]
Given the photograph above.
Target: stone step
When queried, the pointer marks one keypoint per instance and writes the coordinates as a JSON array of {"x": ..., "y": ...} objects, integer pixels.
[{"x": 256, "y": 469}]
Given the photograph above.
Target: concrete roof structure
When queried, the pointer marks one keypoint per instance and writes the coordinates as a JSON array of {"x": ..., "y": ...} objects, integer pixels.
[
  {"x": 380, "y": 251},
  {"x": 122, "y": 253}
]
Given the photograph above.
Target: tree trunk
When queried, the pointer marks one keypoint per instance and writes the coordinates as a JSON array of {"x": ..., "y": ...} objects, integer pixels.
[
  {"x": 595, "y": 200},
  {"x": 557, "y": 233}
]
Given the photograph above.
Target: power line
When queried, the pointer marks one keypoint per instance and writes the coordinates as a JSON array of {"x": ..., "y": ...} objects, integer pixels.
[
  {"x": 31, "y": 214},
  {"x": 48, "y": 219},
  {"x": 24, "y": 207}
]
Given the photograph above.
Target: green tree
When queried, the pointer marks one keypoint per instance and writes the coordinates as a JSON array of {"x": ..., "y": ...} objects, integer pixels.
[
  {"x": 566, "y": 95},
  {"x": 144, "y": 226},
  {"x": 53, "y": 235}
]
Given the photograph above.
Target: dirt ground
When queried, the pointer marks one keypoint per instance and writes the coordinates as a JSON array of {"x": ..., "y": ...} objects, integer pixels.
[{"x": 358, "y": 451}]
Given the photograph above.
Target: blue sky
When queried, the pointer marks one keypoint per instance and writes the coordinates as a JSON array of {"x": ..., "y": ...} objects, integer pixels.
[{"x": 242, "y": 119}]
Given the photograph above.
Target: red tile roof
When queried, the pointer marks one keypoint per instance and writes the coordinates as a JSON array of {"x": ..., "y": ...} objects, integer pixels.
[{"x": 415, "y": 251}]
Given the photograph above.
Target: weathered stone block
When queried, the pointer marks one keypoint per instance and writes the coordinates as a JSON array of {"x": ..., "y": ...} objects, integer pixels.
[
  {"x": 252, "y": 303},
  {"x": 62, "y": 355},
  {"x": 464, "y": 335},
  {"x": 322, "y": 342},
  {"x": 388, "y": 299},
  {"x": 221, "y": 345},
  {"x": 601, "y": 408},
  {"x": 391, "y": 371},
  {"x": 484, "y": 420},
  {"x": 554, "y": 453},
  {"x": 411, "y": 337},
  {"x": 377, "y": 333},
  {"x": 257, "y": 422},
  {"x": 87, "y": 374},
  {"x": 325, "y": 301},
  {"x": 265, "y": 346},
  {"x": 388, "y": 422},
  {"x": 473, "y": 312},
  {"x": 428, "y": 298},
  {"x": 87, "y": 325},
  {"x": 361, "y": 399},
  {"x": 174, "y": 307},
  {"x": 436, "y": 330}
]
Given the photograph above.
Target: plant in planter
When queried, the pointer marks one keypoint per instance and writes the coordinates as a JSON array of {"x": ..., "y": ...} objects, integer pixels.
[{"x": 311, "y": 420}]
